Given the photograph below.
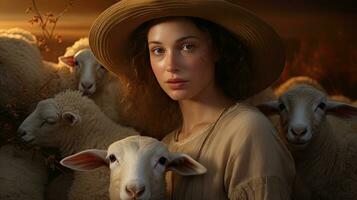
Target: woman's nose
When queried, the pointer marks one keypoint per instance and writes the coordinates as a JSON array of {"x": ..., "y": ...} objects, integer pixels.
[{"x": 171, "y": 62}]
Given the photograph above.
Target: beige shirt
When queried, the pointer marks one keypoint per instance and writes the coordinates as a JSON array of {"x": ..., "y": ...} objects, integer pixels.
[{"x": 244, "y": 157}]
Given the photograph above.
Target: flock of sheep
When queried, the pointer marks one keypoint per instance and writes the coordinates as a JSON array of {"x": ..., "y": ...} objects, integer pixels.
[{"x": 82, "y": 111}]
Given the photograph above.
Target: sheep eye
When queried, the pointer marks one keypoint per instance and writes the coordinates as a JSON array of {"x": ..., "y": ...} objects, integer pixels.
[
  {"x": 322, "y": 106},
  {"x": 76, "y": 63},
  {"x": 112, "y": 158},
  {"x": 43, "y": 123},
  {"x": 281, "y": 107},
  {"x": 163, "y": 161}
]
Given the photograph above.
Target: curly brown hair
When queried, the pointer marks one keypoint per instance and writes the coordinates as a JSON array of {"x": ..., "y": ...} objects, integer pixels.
[{"x": 231, "y": 67}]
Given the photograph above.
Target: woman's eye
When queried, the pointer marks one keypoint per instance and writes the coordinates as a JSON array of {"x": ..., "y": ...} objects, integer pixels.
[
  {"x": 163, "y": 161},
  {"x": 112, "y": 158},
  {"x": 158, "y": 51},
  {"x": 187, "y": 47}
]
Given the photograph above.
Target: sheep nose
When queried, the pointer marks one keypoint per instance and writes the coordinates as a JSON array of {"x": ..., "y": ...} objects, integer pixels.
[
  {"x": 299, "y": 131},
  {"x": 87, "y": 86},
  {"x": 135, "y": 190}
]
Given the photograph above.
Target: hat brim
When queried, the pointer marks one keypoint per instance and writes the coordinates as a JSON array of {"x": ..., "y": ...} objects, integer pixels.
[{"x": 109, "y": 36}]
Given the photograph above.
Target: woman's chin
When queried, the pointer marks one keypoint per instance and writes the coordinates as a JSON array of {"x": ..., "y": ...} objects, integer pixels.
[{"x": 178, "y": 95}]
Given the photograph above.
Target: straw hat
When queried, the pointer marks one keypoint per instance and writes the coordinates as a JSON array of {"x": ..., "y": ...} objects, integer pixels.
[{"x": 109, "y": 36}]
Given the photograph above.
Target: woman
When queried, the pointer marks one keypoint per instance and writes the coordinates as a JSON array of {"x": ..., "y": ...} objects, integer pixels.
[{"x": 206, "y": 55}]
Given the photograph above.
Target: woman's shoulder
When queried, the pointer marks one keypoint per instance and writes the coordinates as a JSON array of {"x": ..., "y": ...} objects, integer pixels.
[{"x": 245, "y": 117}]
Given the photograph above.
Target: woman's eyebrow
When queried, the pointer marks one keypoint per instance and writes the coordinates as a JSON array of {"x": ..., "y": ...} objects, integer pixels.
[
  {"x": 186, "y": 37},
  {"x": 178, "y": 40}
]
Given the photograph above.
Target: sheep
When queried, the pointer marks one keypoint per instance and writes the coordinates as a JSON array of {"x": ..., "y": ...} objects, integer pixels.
[
  {"x": 297, "y": 80},
  {"x": 19, "y": 65},
  {"x": 324, "y": 148},
  {"x": 93, "y": 79},
  {"x": 20, "y": 32},
  {"x": 72, "y": 122},
  {"x": 25, "y": 78},
  {"x": 87, "y": 69},
  {"x": 137, "y": 165},
  {"x": 22, "y": 175}
]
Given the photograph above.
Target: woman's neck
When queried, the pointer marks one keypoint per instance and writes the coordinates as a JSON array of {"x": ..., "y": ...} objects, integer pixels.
[{"x": 201, "y": 111}]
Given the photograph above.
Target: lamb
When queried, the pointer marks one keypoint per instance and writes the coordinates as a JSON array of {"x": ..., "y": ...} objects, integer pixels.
[
  {"x": 25, "y": 78},
  {"x": 93, "y": 79},
  {"x": 324, "y": 147},
  {"x": 72, "y": 122},
  {"x": 137, "y": 166},
  {"x": 22, "y": 175}
]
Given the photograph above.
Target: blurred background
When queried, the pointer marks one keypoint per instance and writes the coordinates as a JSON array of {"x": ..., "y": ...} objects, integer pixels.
[{"x": 320, "y": 36}]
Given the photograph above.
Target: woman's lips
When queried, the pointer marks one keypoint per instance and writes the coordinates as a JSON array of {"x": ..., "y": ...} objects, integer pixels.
[{"x": 176, "y": 84}]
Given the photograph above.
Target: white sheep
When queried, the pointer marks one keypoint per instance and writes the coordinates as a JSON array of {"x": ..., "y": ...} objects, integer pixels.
[
  {"x": 92, "y": 78},
  {"x": 72, "y": 122},
  {"x": 90, "y": 74},
  {"x": 25, "y": 78},
  {"x": 324, "y": 147},
  {"x": 137, "y": 167},
  {"x": 22, "y": 175}
]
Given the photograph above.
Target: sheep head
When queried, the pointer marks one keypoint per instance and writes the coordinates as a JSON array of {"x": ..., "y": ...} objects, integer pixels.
[
  {"x": 137, "y": 164},
  {"x": 89, "y": 73},
  {"x": 46, "y": 123},
  {"x": 302, "y": 110}
]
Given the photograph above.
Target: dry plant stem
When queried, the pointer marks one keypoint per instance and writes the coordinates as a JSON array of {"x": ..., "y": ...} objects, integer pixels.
[{"x": 50, "y": 18}]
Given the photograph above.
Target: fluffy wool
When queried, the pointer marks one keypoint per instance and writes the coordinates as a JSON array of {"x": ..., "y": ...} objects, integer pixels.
[
  {"x": 323, "y": 143},
  {"x": 72, "y": 123},
  {"x": 25, "y": 78}
]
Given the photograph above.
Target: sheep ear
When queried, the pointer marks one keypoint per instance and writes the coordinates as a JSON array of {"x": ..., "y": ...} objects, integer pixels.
[
  {"x": 269, "y": 108},
  {"x": 71, "y": 118},
  {"x": 86, "y": 160},
  {"x": 67, "y": 60},
  {"x": 341, "y": 109},
  {"x": 184, "y": 165}
]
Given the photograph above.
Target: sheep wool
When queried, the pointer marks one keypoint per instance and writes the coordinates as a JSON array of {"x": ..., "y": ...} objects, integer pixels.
[
  {"x": 22, "y": 175},
  {"x": 318, "y": 132},
  {"x": 75, "y": 123}
]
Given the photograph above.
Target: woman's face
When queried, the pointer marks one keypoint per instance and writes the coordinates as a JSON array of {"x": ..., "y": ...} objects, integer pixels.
[{"x": 182, "y": 58}]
